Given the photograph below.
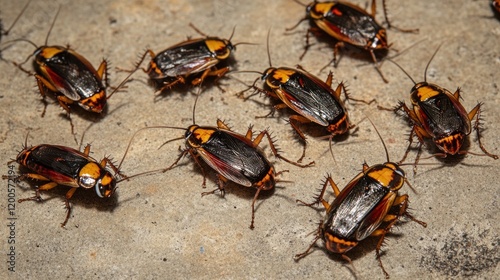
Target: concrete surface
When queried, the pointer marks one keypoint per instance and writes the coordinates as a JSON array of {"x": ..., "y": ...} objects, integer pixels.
[{"x": 159, "y": 227}]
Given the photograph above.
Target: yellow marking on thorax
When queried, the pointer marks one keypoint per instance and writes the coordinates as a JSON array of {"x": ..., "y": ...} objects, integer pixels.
[
  {"x": 216, "y": 46},
  {"x": 322, "y": 9},
  {"x": 283, "y": 75},
  {"x": 49, "y": 52},
  {"x": 385, "y": 176},
  {"x": 91, "y": 169},
  {"x": 203, "y": 135},
  {"x": 426, "y": 92}
]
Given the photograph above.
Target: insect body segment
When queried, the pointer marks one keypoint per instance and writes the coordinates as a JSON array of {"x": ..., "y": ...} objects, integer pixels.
[
  {"x": 307, "y": 95},
  {"x": 438, "y": 114},
  {"x": 194, "y": 58},
  {"x": 312, "y": 99},
  {"x": 368, "y": 206},
  {"x": 349, "y": 24},
  {"x": 442, "y": 118},
  {"x": 234, "y": 157},
  {"x": 65, "y": 166},
  {"x": 71, "y": 77},
  {"x": 188, "y": 57},
  {"x": 448, "y": 123}
]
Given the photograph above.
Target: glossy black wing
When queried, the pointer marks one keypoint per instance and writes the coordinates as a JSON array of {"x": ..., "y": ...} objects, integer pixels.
[
  {"x": 50, "y": 160},
  {"x": 235, "y": 157},
  {"x": 353, "y": 23},
  {"x": 76, "y": 78},
  {"x": 185, "y": 58},
  {"x": 442, "y": 117},
  {"x": 345, "y": 218},
  {"x": 313, "y": 98}
]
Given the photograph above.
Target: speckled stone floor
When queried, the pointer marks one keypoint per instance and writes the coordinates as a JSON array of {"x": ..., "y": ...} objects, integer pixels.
[{"x": 160, "y": 227}]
